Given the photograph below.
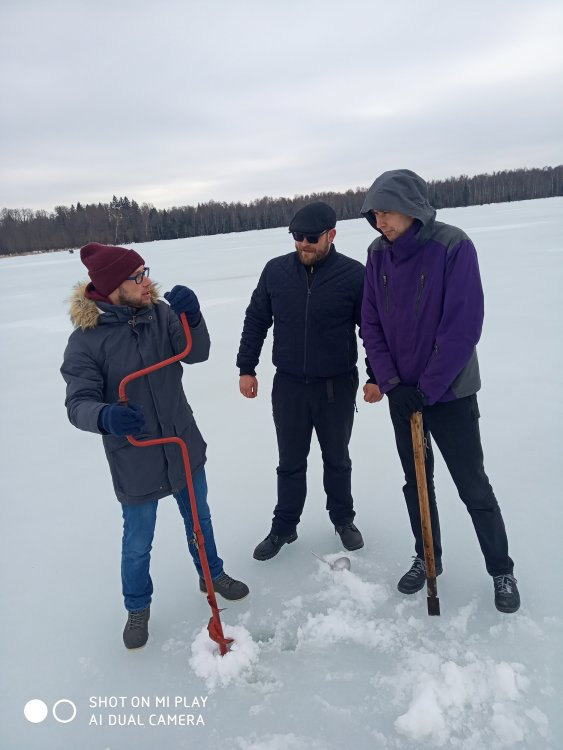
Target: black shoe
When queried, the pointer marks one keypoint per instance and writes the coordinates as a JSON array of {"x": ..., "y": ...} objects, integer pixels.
[
  {"x": 136, "y": 631},
  {"x": 507, "y": 598},
  {"x": 350, "y": 536},
  {"x": 228, "y": 587},
  {"x": 415, "y": 578},
  {"x": 271, "y": 546}
]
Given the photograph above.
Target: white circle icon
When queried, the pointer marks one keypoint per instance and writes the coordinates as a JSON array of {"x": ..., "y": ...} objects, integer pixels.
[
  {"x": 35, "y": 711},
  {"x": 64, "y": 719}
]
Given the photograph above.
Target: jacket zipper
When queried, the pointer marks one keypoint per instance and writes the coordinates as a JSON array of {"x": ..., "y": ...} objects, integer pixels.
[
  {"x": 386, "y": 288},
  {"x": 419, "y": 295},
  {"x": 306, "y": 318}
]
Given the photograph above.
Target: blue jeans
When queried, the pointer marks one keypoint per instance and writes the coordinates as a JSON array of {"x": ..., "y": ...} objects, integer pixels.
[{"x": 138, "y": 532}]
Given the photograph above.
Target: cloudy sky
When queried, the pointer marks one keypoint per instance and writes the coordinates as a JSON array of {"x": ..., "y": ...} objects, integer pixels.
[{"x": 182, "y": 101}]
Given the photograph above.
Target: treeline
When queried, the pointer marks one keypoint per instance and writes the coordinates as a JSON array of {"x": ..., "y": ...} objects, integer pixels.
[{"x": 124, "y": 221}]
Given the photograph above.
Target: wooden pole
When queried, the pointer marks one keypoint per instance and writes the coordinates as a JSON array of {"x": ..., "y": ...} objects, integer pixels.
[{"x": 420, "y": 466}]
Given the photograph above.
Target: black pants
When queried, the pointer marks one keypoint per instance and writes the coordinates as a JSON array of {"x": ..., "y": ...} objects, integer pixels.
[
  {"x": 328, "y": 407},
  {"x": 454, "y": 425}
]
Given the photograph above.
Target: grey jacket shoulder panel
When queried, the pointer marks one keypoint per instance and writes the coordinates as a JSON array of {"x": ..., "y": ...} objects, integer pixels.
[
  {"x": 446, "y": 234},
  {"x": 376, "y": 246}
]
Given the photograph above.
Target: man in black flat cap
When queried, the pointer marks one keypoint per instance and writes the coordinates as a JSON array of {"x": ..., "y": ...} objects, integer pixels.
[{"x": 313, "y": 297}]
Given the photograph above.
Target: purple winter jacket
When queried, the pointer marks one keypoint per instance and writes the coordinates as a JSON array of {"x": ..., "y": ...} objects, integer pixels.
[{"x": 422, "y": 310}]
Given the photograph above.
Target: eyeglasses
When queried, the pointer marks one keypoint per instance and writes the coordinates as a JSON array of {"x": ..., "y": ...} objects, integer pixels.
[
  {"x": 312, "y": 239},
  {"x": 138, "y": 278}
]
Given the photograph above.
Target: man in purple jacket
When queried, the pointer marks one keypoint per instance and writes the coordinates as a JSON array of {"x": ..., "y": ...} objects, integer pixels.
[{"x": 422, "y": 316}]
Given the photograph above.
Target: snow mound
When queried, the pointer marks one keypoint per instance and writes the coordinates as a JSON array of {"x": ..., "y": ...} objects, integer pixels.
[
  {"x": 217, "y": 670},
  {"x": 481, "y": 699}
]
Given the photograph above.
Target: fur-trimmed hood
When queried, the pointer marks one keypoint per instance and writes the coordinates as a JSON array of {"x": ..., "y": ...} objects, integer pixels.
[{"x": 85, "y": 313}]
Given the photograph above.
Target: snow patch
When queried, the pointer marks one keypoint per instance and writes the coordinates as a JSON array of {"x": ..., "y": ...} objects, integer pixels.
[
  {"x": 448, "y": 699},
  {"x": 539, "y": 719},
  {"x": 217, "y": 670}
]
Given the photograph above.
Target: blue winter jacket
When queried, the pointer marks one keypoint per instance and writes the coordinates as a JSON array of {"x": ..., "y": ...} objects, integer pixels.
[
  {"x": 422, "y": 312},
  {"x": 315, "y": 311}
]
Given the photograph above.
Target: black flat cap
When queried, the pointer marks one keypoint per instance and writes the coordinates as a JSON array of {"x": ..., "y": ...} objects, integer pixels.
[{"x": 313, "y": 218}]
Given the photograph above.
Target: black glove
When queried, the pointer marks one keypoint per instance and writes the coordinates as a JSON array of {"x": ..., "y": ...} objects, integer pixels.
[
  {"x": 183, "y": 300},
  {"x": 115, "y": 419},
  {"x": 407, "y": 399}
]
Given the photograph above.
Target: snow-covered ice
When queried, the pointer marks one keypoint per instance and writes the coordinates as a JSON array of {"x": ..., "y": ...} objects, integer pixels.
[{"x": 324, "y": 659}]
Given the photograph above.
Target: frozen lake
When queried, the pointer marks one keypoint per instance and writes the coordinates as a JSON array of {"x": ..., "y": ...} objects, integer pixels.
[{"x": 342, "y": 659}]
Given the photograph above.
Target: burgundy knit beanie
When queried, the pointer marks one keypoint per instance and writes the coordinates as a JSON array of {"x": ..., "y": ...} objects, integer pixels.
[{"x": 109, "y": 266}]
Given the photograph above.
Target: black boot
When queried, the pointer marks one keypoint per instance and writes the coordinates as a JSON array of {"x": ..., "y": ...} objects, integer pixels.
[
  {"x": 136, "y": 631},
  {"x": 228, "y": 587},
  {"x": 507, "y": 598},
  {"x": 350, "y": 536},
  {"x": 415, "y": 578},
  {"x": 271, "y": 545}
]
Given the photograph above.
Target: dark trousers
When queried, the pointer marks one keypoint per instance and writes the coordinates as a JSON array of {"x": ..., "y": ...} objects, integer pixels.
[
  {"x": 328, "y": 407},
  {"x": 454, "y": 425}
]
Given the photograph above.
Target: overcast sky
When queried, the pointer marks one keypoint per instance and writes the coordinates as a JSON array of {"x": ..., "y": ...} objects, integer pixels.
[{"x": 182, "y": 101}]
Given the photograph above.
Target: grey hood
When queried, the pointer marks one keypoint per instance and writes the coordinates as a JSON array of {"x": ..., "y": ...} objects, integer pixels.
[{"x": 399, "y": 190}]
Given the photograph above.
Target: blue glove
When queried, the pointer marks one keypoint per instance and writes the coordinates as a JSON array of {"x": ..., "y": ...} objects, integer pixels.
[
  {"x": 183, "y": 300},
  {"x": 407, "y": 399},
  {"x": 115, "y": 419}
]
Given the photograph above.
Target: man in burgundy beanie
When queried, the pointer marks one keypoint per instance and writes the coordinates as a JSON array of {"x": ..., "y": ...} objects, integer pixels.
[
  {"x": 122, "y": 326},
  {"x": 109, "y": 266}
]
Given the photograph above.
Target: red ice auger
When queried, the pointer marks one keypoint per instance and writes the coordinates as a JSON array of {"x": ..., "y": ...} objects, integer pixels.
[{"x": 214, "y": 627}]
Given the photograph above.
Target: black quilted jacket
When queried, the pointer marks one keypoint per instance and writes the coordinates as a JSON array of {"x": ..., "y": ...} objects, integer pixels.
[{"x": 315, "y": 311}]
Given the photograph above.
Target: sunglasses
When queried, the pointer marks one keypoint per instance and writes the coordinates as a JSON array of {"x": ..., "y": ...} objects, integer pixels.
[
  {"x": 312, "y": 239},
  {"x": 138, "y": 278}
]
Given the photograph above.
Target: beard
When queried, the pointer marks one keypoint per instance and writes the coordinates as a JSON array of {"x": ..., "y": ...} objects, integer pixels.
[
  {"x": 128, "y": 300},
  {"x": 310, "y": 258}
]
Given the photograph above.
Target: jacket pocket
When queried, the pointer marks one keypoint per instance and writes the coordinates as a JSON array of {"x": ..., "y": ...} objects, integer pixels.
[{"x": 137, "y": 472}]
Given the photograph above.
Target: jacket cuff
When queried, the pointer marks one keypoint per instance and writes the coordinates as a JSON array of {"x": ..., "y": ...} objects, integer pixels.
[
  {"x": 101, "y": 427},
  {"x": 390, "y": 384},
  {"x": 371, "y": 376}
]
